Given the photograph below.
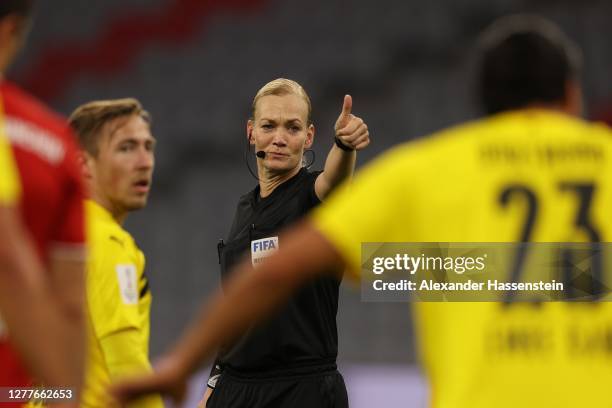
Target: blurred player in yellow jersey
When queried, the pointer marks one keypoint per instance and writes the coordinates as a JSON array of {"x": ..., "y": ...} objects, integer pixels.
[
  {"x": 118, "y": 152},
  {"x": 529, "y": 171}
]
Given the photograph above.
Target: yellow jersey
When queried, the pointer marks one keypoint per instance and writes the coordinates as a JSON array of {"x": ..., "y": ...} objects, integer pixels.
[
  {"x": 527, "y": 175},
  {"x": 119, "y": 302}
]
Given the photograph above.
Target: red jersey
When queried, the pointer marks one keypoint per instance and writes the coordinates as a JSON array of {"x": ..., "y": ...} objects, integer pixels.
[{"x": 52, "y": 193}]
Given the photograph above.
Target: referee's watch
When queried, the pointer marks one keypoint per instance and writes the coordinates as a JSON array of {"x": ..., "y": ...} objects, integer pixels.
[{"x": 342, "y": 145}]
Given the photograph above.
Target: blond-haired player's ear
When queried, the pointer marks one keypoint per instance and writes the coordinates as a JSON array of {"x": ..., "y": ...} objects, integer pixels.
[{"x": 84, "y": 161}]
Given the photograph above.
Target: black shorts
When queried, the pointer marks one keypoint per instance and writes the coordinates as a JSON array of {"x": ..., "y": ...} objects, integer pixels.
[{"x": 323, "y": 389}]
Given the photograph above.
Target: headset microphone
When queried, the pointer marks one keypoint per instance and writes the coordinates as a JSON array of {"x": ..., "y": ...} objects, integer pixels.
[{"x": 261, "y": 154}]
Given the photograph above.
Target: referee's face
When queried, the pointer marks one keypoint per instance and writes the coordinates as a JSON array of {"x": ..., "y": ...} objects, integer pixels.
[
  {"x": 280, "y": 128},
  {"x": 123, "y": 168}
]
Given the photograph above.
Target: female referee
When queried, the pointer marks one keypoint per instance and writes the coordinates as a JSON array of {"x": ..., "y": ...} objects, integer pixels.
[{"x": 290, "y": 360}]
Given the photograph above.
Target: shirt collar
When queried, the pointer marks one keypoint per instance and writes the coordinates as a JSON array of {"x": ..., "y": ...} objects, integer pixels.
[{"x": 99, "y": 212}]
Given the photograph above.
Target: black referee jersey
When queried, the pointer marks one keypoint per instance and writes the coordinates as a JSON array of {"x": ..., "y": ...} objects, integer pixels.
[{"x": 303, "y": 334}]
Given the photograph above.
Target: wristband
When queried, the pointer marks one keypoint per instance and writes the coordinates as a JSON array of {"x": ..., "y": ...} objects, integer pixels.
[{"x": 343, "y": 146}]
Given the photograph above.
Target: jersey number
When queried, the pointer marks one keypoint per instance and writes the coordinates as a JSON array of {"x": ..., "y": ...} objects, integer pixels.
[{"x": 584, "y": 192}]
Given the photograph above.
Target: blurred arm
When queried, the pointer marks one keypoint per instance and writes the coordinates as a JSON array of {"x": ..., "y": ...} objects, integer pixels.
[
  {"x": 124, "y": 356},
  {"x": 67, "y": 282},
  {"x": 32, "y": 313}
]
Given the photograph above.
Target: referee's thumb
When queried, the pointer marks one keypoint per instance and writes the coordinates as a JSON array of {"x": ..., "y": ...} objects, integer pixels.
[
  {"x": 347, "y": 106},
  {"x": 345, "y": 115}
]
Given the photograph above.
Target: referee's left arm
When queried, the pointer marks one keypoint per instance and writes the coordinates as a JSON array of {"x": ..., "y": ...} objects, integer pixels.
[{"x": 351, "y": 135}]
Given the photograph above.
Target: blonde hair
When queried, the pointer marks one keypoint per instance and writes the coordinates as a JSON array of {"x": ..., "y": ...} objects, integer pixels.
[
  {"x": 281, "y": 87},
  {"x": 87, "y": 120}
]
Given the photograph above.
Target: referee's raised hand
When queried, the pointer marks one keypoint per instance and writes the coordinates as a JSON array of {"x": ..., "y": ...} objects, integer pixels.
[{"x": 351, "y": 130}]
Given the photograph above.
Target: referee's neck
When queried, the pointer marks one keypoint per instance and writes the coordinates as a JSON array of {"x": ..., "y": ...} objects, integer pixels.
[{"x": 269, "y": 181}]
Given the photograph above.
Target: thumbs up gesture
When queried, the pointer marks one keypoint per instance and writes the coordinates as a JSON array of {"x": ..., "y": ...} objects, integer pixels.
[{"x": 351, "y": 130}]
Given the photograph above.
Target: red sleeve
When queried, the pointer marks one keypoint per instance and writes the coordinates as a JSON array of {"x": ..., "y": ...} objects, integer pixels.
[{"x": 71, "y": 225}]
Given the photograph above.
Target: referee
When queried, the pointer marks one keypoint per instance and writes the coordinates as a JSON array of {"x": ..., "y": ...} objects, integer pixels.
[{"x": 290, "y": 360}]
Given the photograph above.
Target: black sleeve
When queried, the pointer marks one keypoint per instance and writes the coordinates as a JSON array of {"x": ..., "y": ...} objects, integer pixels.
[{"x": 311, "y": 198}]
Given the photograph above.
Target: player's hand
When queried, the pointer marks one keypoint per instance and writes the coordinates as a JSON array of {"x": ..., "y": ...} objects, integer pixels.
[
  {"x": 350, "y": 129},
  {"x": 168, "y": 379}
]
